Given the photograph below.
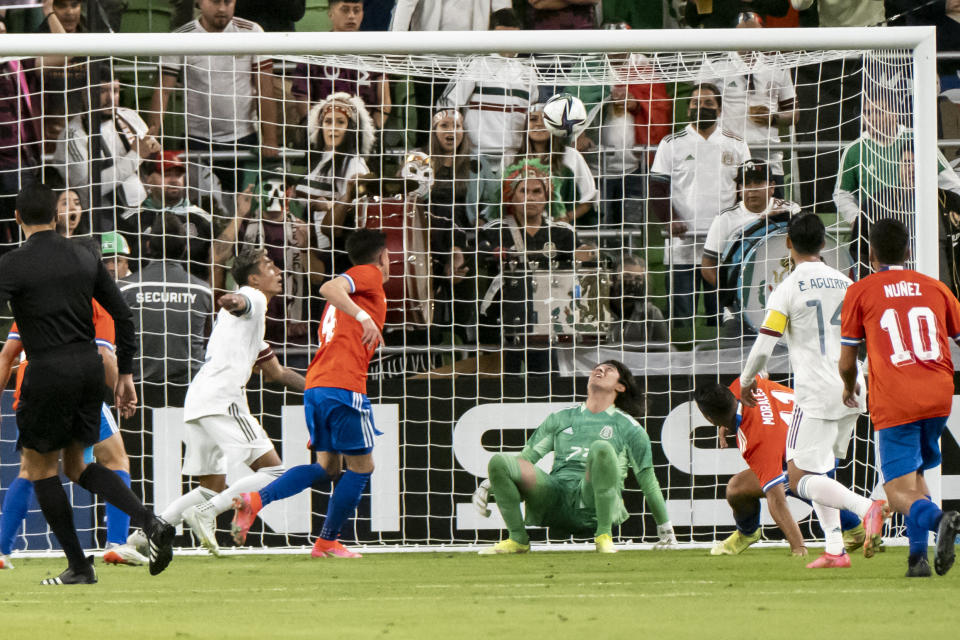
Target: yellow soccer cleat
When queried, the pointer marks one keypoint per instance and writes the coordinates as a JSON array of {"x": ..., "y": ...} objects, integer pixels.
[
  {"x": 605, "y": 544},
  {"x": 736, "y": 544},
  {"x": 505, "y": 546},
  {"x": 853, "y": 538}
]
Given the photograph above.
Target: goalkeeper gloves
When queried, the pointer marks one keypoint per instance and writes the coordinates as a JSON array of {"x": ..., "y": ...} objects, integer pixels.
[
  {"x": 480, "y": 498},
  {"x": 667, "y": 538}
]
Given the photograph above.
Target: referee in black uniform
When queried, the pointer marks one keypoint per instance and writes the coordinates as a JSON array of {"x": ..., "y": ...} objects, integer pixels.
[{"x": 50, "y": 281}]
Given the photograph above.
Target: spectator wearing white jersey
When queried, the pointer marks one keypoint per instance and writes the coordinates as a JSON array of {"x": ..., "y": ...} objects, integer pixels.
[
  {"x": 445, "y": 15},
  {"x": 756, "y": 182},
  {"x": 123, "y": 145},
  {"x": 228, "y": 99},
  {"x": 495, "y": 92},
  {"x": 758, "y": 97},
  {"x": 691, "y": 181}
]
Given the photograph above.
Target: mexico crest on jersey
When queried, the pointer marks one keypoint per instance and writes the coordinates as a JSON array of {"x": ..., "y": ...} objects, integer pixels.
[
  {"x": 607, "y": 432},
  {"x": 727, "y": 158}
]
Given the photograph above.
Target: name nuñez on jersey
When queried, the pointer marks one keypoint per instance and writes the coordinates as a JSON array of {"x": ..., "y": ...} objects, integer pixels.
[
  {"x": 901, "y": 289},
  {"x": 822, "y": 283}
]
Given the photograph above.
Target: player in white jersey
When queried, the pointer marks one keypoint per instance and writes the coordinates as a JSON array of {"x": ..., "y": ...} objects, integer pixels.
[
  {"x": 220, "y": 429},
  {"x": 805, "y": 309}
]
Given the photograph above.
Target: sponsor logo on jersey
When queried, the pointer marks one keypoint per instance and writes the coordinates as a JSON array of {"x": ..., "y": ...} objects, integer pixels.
[{"x": 607, "y": 432}]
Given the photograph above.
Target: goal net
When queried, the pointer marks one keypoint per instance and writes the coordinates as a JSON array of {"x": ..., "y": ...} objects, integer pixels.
[{"x": 529, "y": 241}]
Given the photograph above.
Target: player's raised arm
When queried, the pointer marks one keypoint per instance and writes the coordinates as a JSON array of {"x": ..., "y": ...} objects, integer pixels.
[{"x": 337, "y": 292}]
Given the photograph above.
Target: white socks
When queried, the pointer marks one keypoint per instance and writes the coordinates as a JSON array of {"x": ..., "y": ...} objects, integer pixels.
[
  {"x": 254, "y": 482},
  {"x": 830, "y": 523},
  {"x": 831, "y": 493},
  {"x": 173, "y": 514}
]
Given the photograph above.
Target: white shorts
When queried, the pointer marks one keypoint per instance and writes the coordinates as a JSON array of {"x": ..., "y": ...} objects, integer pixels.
[
  {"x": 216, "y": 442},
  {"x": 814, "y": 444}
]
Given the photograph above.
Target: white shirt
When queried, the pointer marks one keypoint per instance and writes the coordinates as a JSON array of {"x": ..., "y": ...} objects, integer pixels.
[
  {"x": 507, "y": 86},
  {"x": 750, "y": 82},
  {"x": 445, "y": 15},
  {"x": 811, "y": 298},
  {"x": 617, "y": 138},
  {"x": 582, "y": 176},
  {"x": 732, "y": 221},
  {"x": 122, "y": 170},
  {"x": 702, "y": 173},
  {"x": 221, "y": 91},
  {"x": 236, "y": 343}
]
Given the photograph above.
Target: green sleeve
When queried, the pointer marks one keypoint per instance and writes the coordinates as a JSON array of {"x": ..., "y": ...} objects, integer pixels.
[
  {"x": 850, "y": 168},
  {"x": 541, "y": 442},
  {"x": 641, "y": 461},
  {"x": 654, "y": 497}
]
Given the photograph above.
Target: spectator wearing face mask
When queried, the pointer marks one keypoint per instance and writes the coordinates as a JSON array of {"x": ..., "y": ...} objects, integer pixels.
[
  {"x": 637, "y": 320},
  {"x": 691, "y": 181}
]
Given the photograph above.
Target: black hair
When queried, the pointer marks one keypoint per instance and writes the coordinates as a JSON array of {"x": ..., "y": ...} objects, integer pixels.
[
  {"x": 247, "y": 264},
  {"x": 712, "y": 88},
  {"x": 166, "y": 238},
  {"x": 889, "y": 240},
  {"x": 630, "y": 400},
  {"x": 364, "y": 246},
  {"x": 333, "y": 2},
  {"x": 753, "y": 169},
  {"x": 37, "y": 204},
  {"x": 715, "y": 401},
  {"x": 807, "y": 233},
  {"x": 504, "y": 18}
]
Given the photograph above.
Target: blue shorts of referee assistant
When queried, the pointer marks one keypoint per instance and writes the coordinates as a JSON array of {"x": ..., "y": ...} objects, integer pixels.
[
  {"x": 339, "y": 420},
  {"x": 108, "y": 427},
  {"x": 910, "y": 447}
]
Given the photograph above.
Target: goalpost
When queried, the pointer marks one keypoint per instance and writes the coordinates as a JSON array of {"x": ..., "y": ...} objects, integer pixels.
[{"x": 442, "y": 391}]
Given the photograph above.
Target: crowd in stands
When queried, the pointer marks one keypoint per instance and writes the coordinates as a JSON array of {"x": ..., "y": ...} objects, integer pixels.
[{"x": 223, "y": 151}]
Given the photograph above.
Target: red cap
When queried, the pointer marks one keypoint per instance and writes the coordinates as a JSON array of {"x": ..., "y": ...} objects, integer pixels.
[{"x": 169, "y": 161}]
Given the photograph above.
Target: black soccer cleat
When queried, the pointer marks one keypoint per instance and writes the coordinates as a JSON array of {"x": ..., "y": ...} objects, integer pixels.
[
  {"x": 160, "y": 539},
  {"x": 918, "y": 567},
  {"x": 946, "y": 539},
  {"x": 82, "y": 575}
]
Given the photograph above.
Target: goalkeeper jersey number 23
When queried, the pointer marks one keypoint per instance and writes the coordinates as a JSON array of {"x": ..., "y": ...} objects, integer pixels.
[{"x": 569, "y": 433}]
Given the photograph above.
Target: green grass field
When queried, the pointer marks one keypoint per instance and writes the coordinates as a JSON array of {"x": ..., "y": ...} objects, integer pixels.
[{"x": 764, "y": 593}]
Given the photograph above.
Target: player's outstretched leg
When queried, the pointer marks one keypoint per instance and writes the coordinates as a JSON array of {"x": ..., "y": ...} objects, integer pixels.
[
  {"x": 14, "y": 510},
  {"x": 505, "y": 478},
  {"x": 59, "y": 515},
  {"x": 247, "y": 505},
  {"x": 602, "y": 481}
]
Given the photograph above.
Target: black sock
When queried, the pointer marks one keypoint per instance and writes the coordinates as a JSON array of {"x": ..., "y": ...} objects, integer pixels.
[
  {"x": 97, "y": 479},
  {"x": 59, "y": 514}
]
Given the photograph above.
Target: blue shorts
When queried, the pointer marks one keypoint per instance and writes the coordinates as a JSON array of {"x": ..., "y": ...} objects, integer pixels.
[
  {"x": 910, "y": 447},
  {"x": 339, "y": 420},
  {"x": 108, "y": 427}
]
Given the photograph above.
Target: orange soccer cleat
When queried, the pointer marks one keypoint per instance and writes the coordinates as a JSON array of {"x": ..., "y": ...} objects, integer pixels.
[
  {"x": 831, "y": 561},
  {"x": 873, "y": 521},
  {"x": 246, "y": 506},
  {"x": 332, "y": 549}
]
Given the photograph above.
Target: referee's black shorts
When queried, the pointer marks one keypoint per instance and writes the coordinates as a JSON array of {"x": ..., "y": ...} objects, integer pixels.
[{"x": 60, "y": 399}]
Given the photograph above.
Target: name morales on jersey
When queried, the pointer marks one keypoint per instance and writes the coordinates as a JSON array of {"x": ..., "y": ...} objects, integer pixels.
[
  {"x": 763, "y": 404},
  {"x": 822, "y": 283},
  {"x": 901, "y": 289}
]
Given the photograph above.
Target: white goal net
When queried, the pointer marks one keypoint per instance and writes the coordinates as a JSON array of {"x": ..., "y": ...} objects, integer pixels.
[{"x": 521, "y": 256}]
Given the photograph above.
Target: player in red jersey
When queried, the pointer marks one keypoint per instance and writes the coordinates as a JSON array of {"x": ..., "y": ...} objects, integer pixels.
[
  {"x": 905, "y": 318},
  {"x": 339, "y": 416},
  {"x": 761, "y": 432}
]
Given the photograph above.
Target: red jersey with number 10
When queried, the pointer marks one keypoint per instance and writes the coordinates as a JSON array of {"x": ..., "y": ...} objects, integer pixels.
[
  {"x": 906, "y": 319},
  {"x": 342, "y": 360}
]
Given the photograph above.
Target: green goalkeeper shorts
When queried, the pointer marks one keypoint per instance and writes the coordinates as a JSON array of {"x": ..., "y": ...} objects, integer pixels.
[{"x": 557, "y": 502}]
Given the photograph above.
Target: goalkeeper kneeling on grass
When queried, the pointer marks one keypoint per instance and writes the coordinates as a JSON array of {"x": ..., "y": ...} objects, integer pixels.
[{"x": 593, "y": 444}]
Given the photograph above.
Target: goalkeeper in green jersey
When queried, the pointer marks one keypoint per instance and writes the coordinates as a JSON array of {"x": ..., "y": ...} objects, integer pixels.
[{"x": 593, "y": 444}]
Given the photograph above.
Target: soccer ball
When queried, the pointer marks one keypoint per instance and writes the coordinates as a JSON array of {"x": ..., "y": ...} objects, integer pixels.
[{"x": 564, "y": 115}]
